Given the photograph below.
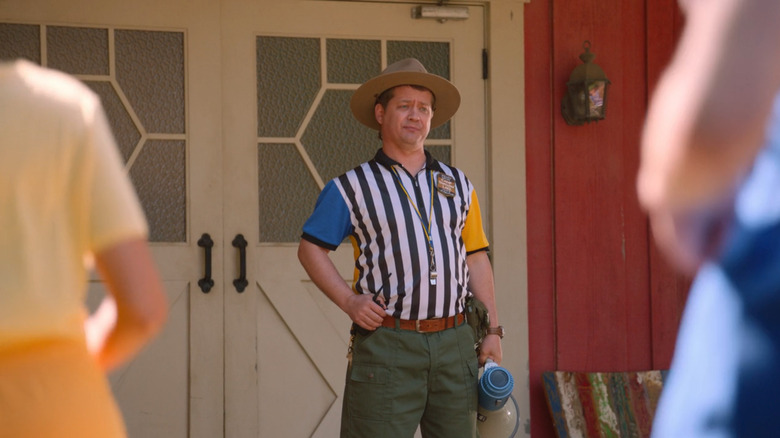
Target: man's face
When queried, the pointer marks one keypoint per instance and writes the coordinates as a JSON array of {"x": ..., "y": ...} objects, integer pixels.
[{"x": 407, "y": 119}]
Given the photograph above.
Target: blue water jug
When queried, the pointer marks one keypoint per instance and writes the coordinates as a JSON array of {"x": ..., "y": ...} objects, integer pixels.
[{"x": 495, "y": 386}]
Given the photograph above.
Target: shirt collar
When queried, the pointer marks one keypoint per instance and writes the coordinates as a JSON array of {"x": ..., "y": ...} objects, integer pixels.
[{"x": 430, "y": 162}]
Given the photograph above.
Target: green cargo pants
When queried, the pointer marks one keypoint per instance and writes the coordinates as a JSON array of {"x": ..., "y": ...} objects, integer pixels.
[{"x": 400, "y": 379}]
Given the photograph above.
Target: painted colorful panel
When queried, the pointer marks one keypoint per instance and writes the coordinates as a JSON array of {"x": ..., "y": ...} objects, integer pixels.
[{"x": 603, "y": 405}]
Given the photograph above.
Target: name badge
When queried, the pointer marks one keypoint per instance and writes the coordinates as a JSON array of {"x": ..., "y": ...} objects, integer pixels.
[{"x": 445, "y": 184}]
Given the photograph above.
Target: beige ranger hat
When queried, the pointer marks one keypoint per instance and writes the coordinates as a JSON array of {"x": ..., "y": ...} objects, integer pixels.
[{"x": 405, "y": 72}]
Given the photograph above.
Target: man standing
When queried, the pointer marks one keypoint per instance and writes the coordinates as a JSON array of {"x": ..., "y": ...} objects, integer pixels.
[{"x": 420, "y": 252}]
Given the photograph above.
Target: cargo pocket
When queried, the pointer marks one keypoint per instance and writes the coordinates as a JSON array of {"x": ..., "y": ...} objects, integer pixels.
[
  {"x": 470, "y": 364},
  {"x": 367, "y": 388}
]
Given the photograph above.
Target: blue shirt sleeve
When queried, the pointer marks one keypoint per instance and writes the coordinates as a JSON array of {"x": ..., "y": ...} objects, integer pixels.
[{"x": 330, "y": 222}]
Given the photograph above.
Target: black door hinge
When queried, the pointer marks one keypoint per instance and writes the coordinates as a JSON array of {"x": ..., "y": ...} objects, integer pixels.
[{"x": 484, "y": 64}]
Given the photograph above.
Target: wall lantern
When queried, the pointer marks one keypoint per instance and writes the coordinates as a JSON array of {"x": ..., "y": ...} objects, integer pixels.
[{"x": 586, "y": 95}]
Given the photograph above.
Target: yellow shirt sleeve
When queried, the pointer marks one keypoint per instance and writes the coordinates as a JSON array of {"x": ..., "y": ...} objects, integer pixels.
[{"x": 473, "y": 233}]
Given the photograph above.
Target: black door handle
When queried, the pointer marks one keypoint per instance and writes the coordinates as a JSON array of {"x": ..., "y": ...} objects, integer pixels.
[
  {"x": 240, "y": 283},
  {"x": 206, "y": 283}
]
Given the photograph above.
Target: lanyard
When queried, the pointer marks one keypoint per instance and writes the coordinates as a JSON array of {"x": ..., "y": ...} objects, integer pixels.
[{"x": 426, "y": 226}]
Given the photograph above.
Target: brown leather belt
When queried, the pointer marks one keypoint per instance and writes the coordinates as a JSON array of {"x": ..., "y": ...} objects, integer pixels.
[{"x": 424, "y": 325}]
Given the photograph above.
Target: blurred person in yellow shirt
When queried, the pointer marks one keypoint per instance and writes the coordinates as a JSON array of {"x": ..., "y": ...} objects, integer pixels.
[{"x": 66, "y": 204}]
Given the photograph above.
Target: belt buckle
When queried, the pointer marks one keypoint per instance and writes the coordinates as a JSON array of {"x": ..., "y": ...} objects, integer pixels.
[{"x": 417, "y": 326}]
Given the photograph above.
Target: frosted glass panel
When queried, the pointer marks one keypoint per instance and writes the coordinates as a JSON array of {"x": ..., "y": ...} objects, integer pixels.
[
  {"x": 20, "y": 41},
  {"x": 288, "y": 78},
  {"x": 143, "y": 101},
  {"x": 353, "y": 61},
  {"x": 150, "y": 70},
  {"x": 334, "y": 140},
  {"x": 435, "y": 56},
  {"x": 77, "y": 50},
  {"x": 125, "y": 131},
  {"x": 287, "y": 192},
  {"x": 159, "y": 175}
]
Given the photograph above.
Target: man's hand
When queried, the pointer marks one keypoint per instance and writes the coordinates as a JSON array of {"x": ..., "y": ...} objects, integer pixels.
[
  {"x": 363, "y": 311},
  {"x": 490, "y": 349}
]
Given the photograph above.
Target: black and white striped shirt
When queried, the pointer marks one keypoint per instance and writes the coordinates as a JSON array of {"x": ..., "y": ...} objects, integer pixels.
[{"x": 386, "y": 213}]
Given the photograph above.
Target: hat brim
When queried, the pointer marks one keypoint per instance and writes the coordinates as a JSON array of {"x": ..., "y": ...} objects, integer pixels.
[{"x": 446, "y": 95}]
